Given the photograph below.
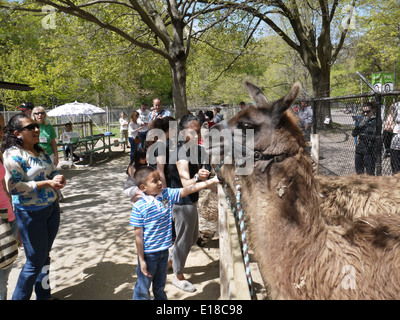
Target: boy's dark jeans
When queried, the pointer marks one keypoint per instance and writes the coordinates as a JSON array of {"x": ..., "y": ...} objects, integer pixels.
[{"x": 157, "y": 266}]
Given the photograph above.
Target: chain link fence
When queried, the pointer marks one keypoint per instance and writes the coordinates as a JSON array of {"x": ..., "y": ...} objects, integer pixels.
[{"x": 341, "y": 125}]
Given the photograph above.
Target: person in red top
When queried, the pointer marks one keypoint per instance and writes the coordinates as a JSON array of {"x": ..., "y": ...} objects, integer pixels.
[{"x": 5, "y": 202}]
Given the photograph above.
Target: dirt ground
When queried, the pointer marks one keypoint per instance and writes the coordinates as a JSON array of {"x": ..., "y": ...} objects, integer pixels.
[{"x": 94, "y": 254}]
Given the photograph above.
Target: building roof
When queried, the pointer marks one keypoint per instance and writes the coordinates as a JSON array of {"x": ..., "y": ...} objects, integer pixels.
[{"x": 15, "y": 86}]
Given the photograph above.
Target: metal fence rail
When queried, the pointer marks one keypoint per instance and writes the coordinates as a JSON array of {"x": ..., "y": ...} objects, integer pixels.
[{"x": 337, "y": 145}]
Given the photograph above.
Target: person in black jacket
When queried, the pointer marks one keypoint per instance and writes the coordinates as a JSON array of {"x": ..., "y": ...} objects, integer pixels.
[{"x": 365, "y": 155}]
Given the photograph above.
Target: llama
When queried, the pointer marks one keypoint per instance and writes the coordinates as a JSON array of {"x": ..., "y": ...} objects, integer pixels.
[
  {"x": 302, "y": 252},
  {"x": 359, "y": 196}
]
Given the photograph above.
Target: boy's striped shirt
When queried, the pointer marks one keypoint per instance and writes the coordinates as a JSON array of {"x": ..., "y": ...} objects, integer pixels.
[{"x": 154, "y": 215}]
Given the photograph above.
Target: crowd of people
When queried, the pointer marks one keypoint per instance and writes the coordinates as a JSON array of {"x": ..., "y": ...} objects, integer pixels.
[
  {"x": 164, "y": 195},
  {"x": 365, "y": 135},
  {"x": 31, "y": 193},
  {"x": 366, "y": 138}
]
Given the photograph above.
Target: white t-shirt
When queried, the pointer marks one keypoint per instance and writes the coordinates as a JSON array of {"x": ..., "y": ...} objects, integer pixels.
[{"x": 124, "y": 124}]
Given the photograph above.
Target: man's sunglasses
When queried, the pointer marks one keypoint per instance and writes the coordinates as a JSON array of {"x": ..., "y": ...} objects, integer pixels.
[{"x": 31, "y": 127}]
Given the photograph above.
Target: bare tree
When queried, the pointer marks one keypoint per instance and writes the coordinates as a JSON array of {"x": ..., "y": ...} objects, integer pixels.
[
  {"x": 310, "y": 35},
  {"x": 164, "y": 27}
]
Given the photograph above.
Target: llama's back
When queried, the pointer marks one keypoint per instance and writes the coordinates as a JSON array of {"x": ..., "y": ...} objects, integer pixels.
[
  {"x": 364, "y": 258},
  {"x": 356, "y": 260},
  {"x": 359, "y": 195}
]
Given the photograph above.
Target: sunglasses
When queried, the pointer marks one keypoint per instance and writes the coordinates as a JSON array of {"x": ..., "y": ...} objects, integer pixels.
[
  {"x": 366, "y": 111},
  {"x": 37, "y": 113},
  {"x": 31, "y": 127}
]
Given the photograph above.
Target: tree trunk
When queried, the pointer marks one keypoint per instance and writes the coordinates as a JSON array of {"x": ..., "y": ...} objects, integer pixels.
[
  {"x": 321, "y": 89},
  {"x": 178, "y": 69},
  {"x": 178, "y": 54}
]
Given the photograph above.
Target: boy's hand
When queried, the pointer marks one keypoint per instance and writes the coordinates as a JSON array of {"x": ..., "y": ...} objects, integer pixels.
[
  {"x": 215, "y": 179},
  {"x": 143, "y": 268}
]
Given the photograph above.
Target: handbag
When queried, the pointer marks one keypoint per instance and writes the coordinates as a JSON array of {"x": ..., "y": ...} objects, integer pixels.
[
  {"x": 8, "y": 243},
  {"x": 137, "y": 140}
]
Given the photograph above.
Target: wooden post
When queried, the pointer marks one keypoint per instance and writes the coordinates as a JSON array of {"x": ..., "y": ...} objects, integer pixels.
[
  {"x": 233, "y": 280},
  {"x": 315, "y": 150},
  {"x": 224, "y": 248}
]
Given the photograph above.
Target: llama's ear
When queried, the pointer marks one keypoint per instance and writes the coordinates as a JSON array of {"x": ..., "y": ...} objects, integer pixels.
[
  {"x": 292, "y": 95},
  {"x": 256, "y": 93},
  {"x": 279, "y": 107}
]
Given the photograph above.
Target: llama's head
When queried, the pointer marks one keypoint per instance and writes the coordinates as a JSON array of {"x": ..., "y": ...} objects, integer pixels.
[{"x": 256, "y": 137}]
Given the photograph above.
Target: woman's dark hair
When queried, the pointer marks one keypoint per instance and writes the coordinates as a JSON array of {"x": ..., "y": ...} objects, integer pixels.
[
  {"x": 201, "y": 116},
  {"x": 9, "y": 138},
  {"x": 185, "y": 120},
  {"x": 139, "y": 154},
  {"x": 209, "y": 114}
]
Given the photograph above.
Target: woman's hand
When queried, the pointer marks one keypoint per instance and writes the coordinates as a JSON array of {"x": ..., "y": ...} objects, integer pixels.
[
  {"x": 137, "y": 196},
  {"x": 203, "y": 174},
  {"x": 56, "y": 160},
  {"x": 58, "y": 182}
]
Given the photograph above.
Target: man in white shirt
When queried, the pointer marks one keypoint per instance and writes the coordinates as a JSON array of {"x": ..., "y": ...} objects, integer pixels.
[
  {"x": 143, "y": 121},
  {"x": 158, "y": 111}
]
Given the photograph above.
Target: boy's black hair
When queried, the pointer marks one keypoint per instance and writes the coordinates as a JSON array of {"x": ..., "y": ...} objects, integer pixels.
[{"x": 142, "y": 173}]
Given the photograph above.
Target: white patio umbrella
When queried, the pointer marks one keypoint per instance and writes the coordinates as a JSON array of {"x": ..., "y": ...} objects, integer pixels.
[{"x": 75, "y": 109}]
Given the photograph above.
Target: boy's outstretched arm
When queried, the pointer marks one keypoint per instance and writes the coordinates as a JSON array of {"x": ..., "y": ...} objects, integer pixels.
[
  {"x": 198, "y": 186},
  {"x": 140, "y": 251}
]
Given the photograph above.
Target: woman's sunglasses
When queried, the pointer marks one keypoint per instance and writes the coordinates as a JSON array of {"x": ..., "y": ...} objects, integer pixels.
[
  {"x": 31, "y": 127},
  {"x": 37, "y": 113}
]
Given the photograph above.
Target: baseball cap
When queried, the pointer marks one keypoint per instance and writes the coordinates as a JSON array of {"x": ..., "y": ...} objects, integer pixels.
[{"x": 26, "y": 106}]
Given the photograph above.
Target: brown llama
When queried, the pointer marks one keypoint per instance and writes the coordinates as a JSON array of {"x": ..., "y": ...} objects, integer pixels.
[
  {"x": 359, "y": 196},
  {"x": 302, "y": 252}
]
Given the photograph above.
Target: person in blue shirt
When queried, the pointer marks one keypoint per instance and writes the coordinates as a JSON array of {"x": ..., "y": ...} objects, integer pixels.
[{"x": 152, "y": 218}]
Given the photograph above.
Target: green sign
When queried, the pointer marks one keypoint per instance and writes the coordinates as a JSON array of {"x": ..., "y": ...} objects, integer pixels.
[{"x": 383, "y": 81}]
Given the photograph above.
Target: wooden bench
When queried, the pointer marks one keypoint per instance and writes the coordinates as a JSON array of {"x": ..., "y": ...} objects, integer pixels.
[{"x": 90, "y": 152}]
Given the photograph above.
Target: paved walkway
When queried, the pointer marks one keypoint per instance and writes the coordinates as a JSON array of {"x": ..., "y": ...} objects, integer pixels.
[{"x": 94, "y": 254}]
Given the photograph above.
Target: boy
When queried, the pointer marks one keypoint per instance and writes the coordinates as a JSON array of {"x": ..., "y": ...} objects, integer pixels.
[{"x": 152, "y": 218}]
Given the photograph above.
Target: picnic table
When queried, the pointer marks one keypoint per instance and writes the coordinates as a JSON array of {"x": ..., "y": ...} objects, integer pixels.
[{"x": 89, "y": 144}]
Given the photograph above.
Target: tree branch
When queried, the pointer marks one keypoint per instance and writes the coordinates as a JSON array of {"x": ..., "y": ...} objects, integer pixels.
[
  {"x": 77, "y": 11},
  {"x": 341, "y": 42}
]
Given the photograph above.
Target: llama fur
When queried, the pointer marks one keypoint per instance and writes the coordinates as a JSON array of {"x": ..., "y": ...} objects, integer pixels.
[
  {"x": 208, "y": 214},
  {"x": 305, "y": 248},
  {"x": 359, "y": 195}
]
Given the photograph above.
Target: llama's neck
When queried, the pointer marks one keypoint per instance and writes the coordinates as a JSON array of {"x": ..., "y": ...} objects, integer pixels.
[
  {"x": 284, "y": 215},
  {"x": 288, "y": 193}
]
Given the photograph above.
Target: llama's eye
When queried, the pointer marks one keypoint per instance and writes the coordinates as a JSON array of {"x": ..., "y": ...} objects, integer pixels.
[{"x": 246, "y": 125}]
